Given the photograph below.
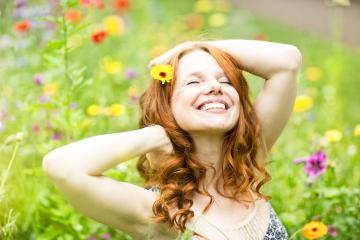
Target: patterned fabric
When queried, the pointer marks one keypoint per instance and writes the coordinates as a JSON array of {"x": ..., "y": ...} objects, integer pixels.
[{"x": 275, "y": 230}]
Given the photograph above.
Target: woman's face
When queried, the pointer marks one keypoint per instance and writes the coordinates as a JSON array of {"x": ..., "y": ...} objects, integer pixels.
[{"x": 199, "y": 78}]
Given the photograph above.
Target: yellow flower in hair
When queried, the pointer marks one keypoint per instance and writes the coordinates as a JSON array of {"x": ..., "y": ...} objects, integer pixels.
[
  {"x": 314, "y": 229},
  {"x": 162, "y": 72}
]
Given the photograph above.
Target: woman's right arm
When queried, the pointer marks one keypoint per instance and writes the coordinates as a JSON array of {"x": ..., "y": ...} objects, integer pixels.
[
  {"x": 94, "y": 155},
  {"x": 75, "y": 170}
]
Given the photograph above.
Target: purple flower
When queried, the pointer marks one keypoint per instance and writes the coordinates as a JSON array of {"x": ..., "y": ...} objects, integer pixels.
[
  {"x": 106, "y": 236},
  {"x": 38, "y": 79},
  {"x": 44, "y": 99},
  {"x": 56, "y": 136},
  {"x": 90, "y": 238},
  {"x": 131, "y": 73},
  {"x": 73, "y": 105},
  {"x": 20, "y": 3},
  {"x": 315, "y": 164}
]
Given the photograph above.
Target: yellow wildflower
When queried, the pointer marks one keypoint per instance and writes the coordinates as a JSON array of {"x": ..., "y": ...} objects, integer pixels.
[
  {"x": 93, "y": 110},
  {"x": 313, "y": 73},
  {"x": 162, "y": 72},
  {"x": 203, "y": 6},
  {"x": 303, "y": 103},
  {"x": 114, "y": 25},
  {"x": 111, "y": 66},
  {"x": 217, "y": 20},
  {"x": 314, "y": 229},
  {"x": 115, "y": 110},
  {"x": 343, "y": 3},
  {"x": 357, "y": 130},
  {"x": 50, "y": 88},
  {"x": 333, "y": 135}
]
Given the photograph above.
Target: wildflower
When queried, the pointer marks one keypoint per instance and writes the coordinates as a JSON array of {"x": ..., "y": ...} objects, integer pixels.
[
  {"x": 121, "y": 5},
  {"x": 44, "y": 98},
  {"x": 50, "y": 88},
  {"x": 93, "y": 110},
  {"x": 73, "y": 105},
  {"x": 35, "y": 128},
  {"x": 313, "y": 73},
  {"x": 106, "y": 236},
  {"x": 333, "y": 135},
  {"x": 73, "y": 16},
  {"x": 217, "y": 20},
  {"x": 56, "y": 136},
  {"x": 303, "y": 103},
  {"x": 20, "y": 3},
  {"x": 315, "y": 164},
  {"x": 194, "y": 21},
  {"x": 115, "y": 110},
  {"x": 96, "y": 3},
  {"x": 162, "y": 73},
  {"x": 22, "y": 26},
  {"x": 131, "y": 73},
  {"x": 342, "y": 3},
  {"x": 38, "y": 79},
  {"x": 261, "y": 37},
  {"x": 203, "y": 6},
  {"x": 357, "y": 130},
  {"x": 331, "y": 230},
  {"x": 314, "y": 229},
  {"x": 98, "y": 37},
  {"x": 114, "y": 25},
  {"x": 111, "y": 66}
]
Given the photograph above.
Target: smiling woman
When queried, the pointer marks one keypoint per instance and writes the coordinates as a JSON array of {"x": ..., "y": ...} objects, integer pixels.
[{"x": 201, "y": 141}]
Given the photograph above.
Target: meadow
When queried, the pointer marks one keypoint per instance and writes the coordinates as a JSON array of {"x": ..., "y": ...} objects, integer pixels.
[{"x": 74, "y": 69}]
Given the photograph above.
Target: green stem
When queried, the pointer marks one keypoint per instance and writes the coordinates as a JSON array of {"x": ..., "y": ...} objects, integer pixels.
[
  {"x": 293, "y": 235},
  {"x": 9, "y": 166}
]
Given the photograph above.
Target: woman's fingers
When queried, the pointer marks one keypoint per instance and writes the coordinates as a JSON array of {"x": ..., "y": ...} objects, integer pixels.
[{"x": 165, "y": 57}]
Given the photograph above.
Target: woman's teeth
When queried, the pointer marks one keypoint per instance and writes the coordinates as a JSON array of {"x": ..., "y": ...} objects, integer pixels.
[{"x": 213, "y": 106}]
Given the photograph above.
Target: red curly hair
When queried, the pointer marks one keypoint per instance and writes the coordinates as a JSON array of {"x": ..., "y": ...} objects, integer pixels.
[{"x": 180, "y": 175}]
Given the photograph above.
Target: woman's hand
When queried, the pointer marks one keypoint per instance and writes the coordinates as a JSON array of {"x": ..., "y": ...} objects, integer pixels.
[
  {"x": 160, "y": 154},
  {"x": 165, "y": 57}
]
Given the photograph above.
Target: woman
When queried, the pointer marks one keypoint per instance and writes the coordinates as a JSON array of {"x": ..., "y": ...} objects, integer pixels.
[{"x": 202, "y": 147}]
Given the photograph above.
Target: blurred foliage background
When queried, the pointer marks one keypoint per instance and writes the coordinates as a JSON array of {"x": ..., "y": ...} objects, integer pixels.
[{"x": 74, "y": 69}]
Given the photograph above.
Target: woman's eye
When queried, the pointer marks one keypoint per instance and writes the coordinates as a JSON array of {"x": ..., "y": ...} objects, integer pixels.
[
  {"x": 227, "y": 83},
  {"x": 193, "y": 82}
]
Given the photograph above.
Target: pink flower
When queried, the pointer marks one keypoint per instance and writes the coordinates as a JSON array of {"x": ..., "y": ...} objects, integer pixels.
[
  {"x": 331, "y": 230},
  {"x": 106, "y": 236},
  {"x": 36, "y": 128},
  {"x": 131, "y": 73},
  {"x": 56, "y": 136},
  {"x": 38, "y": 79},
  {"x": 315, "y": 164}
]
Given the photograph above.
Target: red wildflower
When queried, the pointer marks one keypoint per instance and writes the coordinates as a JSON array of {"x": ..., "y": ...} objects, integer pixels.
[
  {"x": 98, "y": 37},
  {"x": 96, "y": 3},
  {"x": 72, "y": 15},
  {"x": 121, "y": 5},
  {"x": 22, "y": 26}
]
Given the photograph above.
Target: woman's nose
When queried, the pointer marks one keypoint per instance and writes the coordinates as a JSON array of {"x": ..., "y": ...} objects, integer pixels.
[{"x": 215, "y": 86}]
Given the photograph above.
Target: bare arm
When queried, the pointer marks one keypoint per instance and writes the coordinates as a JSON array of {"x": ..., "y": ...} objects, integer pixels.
[
  {"x": 75, "y": 170},
  {"x": 279, "y": 65},
  {"x": 94, "y": 155}
]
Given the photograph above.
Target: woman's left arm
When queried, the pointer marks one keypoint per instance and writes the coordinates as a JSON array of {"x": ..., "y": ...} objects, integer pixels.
[{"x": 279, "y": 65}]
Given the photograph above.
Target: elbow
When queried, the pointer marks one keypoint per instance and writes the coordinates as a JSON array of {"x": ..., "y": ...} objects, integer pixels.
[
  {"x": 294, "y": 58},
  {"x": 52, "y": 168}
]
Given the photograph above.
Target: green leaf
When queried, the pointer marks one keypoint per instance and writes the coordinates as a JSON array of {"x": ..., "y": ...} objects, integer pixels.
[{"x": 55, "y": 44}]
